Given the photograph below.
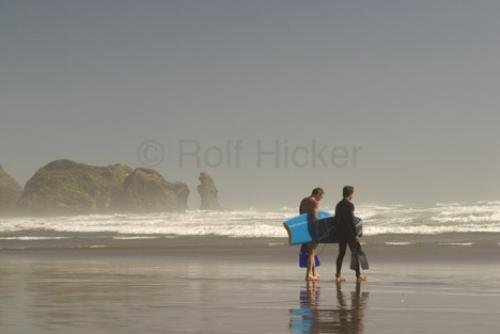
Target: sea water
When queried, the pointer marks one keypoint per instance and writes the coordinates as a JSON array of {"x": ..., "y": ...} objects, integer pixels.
[{"x": 252, "y": 223}]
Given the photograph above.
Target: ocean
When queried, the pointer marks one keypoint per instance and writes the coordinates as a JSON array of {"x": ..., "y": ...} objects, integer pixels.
[
  {"x": 432, "y": 270},
  {"x": 440, "y": 218}
]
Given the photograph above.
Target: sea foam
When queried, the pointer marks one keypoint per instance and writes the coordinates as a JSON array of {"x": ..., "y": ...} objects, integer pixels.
[{"x": 378, "y": 219}]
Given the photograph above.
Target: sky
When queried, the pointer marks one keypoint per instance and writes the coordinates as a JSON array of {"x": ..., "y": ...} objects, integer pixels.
[{"x": 404, "y": 94}]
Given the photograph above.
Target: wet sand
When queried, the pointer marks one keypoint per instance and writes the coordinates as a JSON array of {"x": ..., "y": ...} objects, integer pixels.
[{"x": 208, "y": 285}]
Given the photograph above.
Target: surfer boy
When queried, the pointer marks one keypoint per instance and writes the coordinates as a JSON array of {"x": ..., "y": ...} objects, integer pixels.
[
  {"x": 310, "y": 205},
  {"x": 346, "y": 231}
]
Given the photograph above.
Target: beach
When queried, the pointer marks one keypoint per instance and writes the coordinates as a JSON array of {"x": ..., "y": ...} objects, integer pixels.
[
  {"x": 159, "y": 158},
  {"x": 438, "y": 283}
]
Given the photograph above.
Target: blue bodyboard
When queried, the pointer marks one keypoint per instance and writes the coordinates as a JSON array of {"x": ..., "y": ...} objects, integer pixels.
[
  {"x": 299, "y": 228},
  {"x": 301, "y": 231}
]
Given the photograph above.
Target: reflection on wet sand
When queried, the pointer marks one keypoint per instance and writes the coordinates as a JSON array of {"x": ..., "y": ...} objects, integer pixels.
[{"x": 310, "y": 318}]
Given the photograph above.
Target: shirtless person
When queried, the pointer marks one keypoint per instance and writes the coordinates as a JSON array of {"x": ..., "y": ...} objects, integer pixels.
[{"x": 310, "y": 205}]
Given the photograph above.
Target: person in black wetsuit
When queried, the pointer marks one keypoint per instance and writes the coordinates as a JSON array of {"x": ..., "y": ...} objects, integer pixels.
[{"x": 346, "y": 232}]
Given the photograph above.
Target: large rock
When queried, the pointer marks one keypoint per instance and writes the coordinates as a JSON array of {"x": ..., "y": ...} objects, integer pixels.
[
  {"x": 10, "y": 191},
  {"x": 145, "y": 190},
  {"x": 67, "y": 187},
  {"x": 208, "y": 193}
]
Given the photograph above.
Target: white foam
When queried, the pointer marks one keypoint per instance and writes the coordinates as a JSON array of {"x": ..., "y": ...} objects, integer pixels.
[
  {"x": 378, "y": 219},
  {"x": 26, "y": 238},
  {"x": 272, "y": 244},
  {"x": 135, "y": 237},
  {"x": 456, "y": 243},
  {"x": 398, "y": 243}
]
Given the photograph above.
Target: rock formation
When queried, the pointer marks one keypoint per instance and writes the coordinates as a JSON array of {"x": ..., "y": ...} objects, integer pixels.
[
  {"x": 10, "y": 191},
  {"x": 145, "y": 190},
  {"x": 65, "y": 187},
  {"x": 208, "y": 193}
]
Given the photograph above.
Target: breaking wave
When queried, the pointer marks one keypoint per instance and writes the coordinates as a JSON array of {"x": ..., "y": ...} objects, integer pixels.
[{"x": 378, "y": 219}]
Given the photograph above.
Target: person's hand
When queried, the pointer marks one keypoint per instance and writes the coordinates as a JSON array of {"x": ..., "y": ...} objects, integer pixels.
[{"x": 357, "y": 239}]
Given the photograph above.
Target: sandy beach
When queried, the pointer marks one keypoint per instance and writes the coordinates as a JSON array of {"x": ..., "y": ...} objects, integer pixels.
[
  {"x": 158, "y": 157},
  {"x": 440, "y": 284}
]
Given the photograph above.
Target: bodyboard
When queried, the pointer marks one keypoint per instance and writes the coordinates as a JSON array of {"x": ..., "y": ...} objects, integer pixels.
[{"x": 300, "y": 229}]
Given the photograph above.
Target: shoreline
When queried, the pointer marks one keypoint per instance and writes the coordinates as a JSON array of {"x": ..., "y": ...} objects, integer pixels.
[
  {"x": 453, "y": 248},
  {"x": 41, "y": 235}
]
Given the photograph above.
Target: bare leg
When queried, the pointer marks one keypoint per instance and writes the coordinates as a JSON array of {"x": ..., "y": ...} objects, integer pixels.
[
  {"x": 314, "y": 271},
  {"x": 311, "y": 268}
]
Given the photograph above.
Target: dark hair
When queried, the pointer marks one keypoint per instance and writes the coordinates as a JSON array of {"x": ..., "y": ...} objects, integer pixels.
[
  {"x": 317, "y": 191},
  {"x": 347, "y": 191}
]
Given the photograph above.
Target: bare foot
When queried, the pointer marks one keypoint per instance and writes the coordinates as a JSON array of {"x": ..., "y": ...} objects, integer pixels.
[
  {"x": 339, "y": 279},
  {"x": 311, "y": 278},
  {"x": 362, "y": 278}
]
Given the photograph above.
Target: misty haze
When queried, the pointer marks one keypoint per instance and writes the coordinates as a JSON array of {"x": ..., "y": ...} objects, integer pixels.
[{"x": 173, "y": 166}]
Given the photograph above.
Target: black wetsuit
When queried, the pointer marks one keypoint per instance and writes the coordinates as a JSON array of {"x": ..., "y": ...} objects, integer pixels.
[{"x": 346, "y": 232}]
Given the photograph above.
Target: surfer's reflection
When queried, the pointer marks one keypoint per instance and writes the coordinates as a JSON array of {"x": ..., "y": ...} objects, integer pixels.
[{"x": 310, "y": 318}]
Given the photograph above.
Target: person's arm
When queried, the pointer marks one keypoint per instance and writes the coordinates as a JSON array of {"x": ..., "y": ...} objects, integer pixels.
[{"x": 315, "y": 210}]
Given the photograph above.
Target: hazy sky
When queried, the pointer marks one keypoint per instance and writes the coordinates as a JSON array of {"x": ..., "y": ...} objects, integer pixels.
[{"x": 416, "y": 84}]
